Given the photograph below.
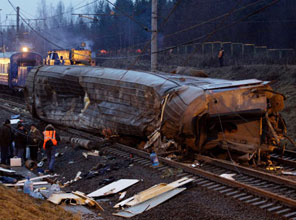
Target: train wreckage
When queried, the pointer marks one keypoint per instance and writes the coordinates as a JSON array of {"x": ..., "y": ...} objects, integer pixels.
[{"x": 197, "y": 113}]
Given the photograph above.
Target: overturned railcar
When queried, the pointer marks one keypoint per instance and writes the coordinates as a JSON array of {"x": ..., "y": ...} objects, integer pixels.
[{"x": 200, "y": 113}]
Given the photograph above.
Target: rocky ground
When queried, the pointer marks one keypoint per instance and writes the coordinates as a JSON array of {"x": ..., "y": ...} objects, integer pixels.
[{"x": 194, "y": 203}]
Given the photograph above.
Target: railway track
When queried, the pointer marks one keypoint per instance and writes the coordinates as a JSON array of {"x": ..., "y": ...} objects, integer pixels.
[
  {"x": 269, "y": 192},
  {"x": 288, "y": 160}
]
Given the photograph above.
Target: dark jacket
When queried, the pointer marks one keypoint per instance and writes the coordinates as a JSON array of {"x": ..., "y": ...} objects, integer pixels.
[
  {"x": 35, "y": 138},
  {"x": 6, "y": 136},
  {"x": 20, "y": 139}
]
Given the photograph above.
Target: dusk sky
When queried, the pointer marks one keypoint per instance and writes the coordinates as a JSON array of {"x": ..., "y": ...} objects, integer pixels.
[{"x": 29, "y": 7}]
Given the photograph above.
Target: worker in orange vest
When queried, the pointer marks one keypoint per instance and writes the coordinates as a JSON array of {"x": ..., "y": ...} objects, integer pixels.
[
  {"x": 50, "y": 143},
  {"x": 221, "y": 56}
]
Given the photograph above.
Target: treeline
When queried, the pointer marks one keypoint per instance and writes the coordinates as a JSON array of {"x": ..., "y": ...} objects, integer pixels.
[{"x": 127, "y": 24}]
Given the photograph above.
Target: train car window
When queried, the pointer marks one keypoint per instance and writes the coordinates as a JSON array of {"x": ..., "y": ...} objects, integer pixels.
[{"x": 26, "y": 62}]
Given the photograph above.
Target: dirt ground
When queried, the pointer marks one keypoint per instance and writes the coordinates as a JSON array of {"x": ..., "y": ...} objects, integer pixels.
[
  {"x": 194, "y": 203},
  {"x": 18, "y": 206}
]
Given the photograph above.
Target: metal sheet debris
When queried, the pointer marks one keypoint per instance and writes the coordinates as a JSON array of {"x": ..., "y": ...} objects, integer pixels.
[
  {"x": 89, "y": 201},
  {"x": 6, "y": 170},
  {"x": 153, "y": 192},
  {"x": 92, "y": 153},
  {"x": 122, "y": 195},
  {"x": 113, "y": 188},
  {"x": 34, "y": 183},
  {"x": 58, "y": 198},
  {"x": 228, "y": 176},
  {"x": 149, "y": 204},
  {"x": 38, "y": 178},
  {"x": 289, "y": 173}
]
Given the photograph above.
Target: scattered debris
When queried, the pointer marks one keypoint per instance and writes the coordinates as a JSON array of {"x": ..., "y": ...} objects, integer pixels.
[
  {"x": 149, "y": 204},
  {"x": 273, "y": 168},
  {"x": 58, "y": 154},
  {"x": 37, "y": 178},
  {"x": 152, "y": 138},
  {"x": 78, "y": 176},
  {"x": 7, "y": 179},
  {"x": 228, "y": 176},
  {"x": 74, "y": 198},
  {"x": 87, "y": 144},
  {"x": 289, "y": 173},
  {"x": 6, "y": 170},
  {"x": 197, "y": 164},
  {"x": 122, "y": 195},
  {"x": 113, "y": 188},
  {"x": 154, "y": 159},
  {"x": 89, "y": 201},
  {"x": 153, "y": 192},
  {"x": 22, "y": 184},
  {"x": 92, "y": 153},
  {"x": 40, "y": 164},
  {"x": 15, "y": 162},
  {"x": 30, "y": 164},
  {"x": 58, "y": 198}
]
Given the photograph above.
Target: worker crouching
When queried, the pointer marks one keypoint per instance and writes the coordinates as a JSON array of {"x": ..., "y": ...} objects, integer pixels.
[{"x": 50, "y": 143}]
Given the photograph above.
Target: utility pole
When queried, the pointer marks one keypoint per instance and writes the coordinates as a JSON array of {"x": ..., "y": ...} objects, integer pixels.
[
  {"x": 17, "y": 25},
  {"x": 154, "y": 36}
]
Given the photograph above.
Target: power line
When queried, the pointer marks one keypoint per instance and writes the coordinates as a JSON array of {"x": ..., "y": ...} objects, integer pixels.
[
  {"x": 217, "y": 29},
  {"x": 212, "y": 19},
  {"x": 130, "y": 17},
  {"x": 161, "y": 26},
  {"x": 40, "y": 35},
  {"x": 73, "y": 9},
  {"x": 232, "y": 24}
]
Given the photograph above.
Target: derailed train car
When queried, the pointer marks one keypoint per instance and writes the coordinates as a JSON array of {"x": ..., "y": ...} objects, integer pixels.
[{"x": 196, "y": 112}]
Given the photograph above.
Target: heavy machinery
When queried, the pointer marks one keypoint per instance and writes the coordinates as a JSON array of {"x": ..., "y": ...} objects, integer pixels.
[
  {"x": 68, "y": 57},
  {"x": 198, "y": 113}
]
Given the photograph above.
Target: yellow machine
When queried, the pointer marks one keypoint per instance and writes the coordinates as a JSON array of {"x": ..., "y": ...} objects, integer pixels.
[{"x": 68, "y": 57}]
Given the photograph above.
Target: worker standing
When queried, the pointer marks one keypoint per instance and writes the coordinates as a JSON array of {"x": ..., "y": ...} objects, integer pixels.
[
  {"x": 221, "y": 56},
  {"x": 35, "y": 141},
  {"x": 6, "y": 138},
  {"x": 20, "y": 142},
  {"x": 51, "y": 139}
]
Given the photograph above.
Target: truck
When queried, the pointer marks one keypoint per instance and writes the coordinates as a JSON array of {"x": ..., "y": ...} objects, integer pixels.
[{"x": 69, "y": 57}]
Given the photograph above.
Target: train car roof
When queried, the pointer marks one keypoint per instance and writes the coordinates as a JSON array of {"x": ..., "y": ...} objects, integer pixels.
[{"x": 6, "y": 54}]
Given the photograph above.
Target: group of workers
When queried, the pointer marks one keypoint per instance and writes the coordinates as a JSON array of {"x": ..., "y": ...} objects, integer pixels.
[{"x": 15, "y": 141}]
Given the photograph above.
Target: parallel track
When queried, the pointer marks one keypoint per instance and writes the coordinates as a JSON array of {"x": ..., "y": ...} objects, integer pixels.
[{"x": 272, "y": 193}]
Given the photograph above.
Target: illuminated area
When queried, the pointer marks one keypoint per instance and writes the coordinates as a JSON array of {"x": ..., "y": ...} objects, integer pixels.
[{"x": 25, "y": 49}]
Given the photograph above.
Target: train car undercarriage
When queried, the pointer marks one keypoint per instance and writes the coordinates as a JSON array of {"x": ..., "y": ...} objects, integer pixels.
[{"x": 196, "y": 113}]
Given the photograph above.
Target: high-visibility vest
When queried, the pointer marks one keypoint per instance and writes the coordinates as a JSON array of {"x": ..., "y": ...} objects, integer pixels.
[{"x": 49, "y": 135}]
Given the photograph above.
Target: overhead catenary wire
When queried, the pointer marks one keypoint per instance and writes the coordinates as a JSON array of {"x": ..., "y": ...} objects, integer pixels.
[
  {"x": 73, "y": 9},
  {"x": 161, "y": 26},
  {"x": 217, "y": 29},
  {"x": 39, "y": 34},
  {"x": 191, "y": 27},
  {"x": 212, "y": 19},
  {"x": 232, "y": 24}
]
